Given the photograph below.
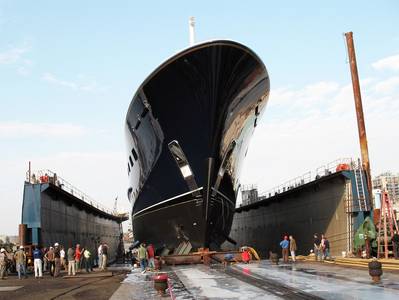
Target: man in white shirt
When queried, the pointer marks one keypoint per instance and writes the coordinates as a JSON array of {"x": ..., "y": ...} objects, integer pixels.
[
  {"x": 62, "y": 255},
  {"x": 100, "y": 255}
]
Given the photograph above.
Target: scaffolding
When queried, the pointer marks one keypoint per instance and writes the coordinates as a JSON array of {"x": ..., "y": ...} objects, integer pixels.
[{"x": 386, "y": 225}]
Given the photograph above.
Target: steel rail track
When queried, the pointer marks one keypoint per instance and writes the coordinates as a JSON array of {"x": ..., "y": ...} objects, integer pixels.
[{"x": 269, "y": 285}]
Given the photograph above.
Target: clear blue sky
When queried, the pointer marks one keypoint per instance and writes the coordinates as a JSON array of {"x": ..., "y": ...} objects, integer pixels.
[{"x": 72, "y": 67}]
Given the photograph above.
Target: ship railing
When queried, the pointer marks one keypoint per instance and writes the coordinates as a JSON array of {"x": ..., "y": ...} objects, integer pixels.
[
  {"x": 48, "y": 176},
  {"x": 324, "y": 170},
  {"x": 248, "y": 187},
  {"x": 288, "y": 185},
  {"x": 331, "y": 167}
]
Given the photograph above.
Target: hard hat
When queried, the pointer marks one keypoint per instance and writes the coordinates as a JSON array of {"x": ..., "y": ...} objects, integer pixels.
[
  {"x": 21, "y": 247},
  {"x": 56, "y": 244},
  {"x": 2, "y": 250}
]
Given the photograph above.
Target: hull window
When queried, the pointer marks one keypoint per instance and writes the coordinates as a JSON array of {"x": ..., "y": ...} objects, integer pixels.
[
  {"x": 134, "y": 154},
  {"x": 137, "y": 125},
  {"x": 131, "y": 161},
  {"x": 182, "y": 163},
  {"x": 144, "y": 112}
]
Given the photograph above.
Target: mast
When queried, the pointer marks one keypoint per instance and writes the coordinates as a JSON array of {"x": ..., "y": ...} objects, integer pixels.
[
  {"x": 359, "y": 110},
  {"x": 191, "y": 24}
]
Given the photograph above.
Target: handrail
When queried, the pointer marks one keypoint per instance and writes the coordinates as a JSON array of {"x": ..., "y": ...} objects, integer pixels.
[
  {"x": 324, "y": 170},
  {"x": 48, "y": 176}
]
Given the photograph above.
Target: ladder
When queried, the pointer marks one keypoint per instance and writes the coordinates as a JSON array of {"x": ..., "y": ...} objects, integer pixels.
[
  {"x": 386, "y": 225},
  {"x": 360, "y": 189}
]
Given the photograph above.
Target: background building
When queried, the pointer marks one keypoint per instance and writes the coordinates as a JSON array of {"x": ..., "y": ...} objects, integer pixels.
[{"x": 389, "y": 182}]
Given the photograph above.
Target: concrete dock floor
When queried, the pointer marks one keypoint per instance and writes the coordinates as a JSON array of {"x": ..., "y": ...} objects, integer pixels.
[
  {"x": 258, "y": 280},
  {"x": 96, "y": 285}
]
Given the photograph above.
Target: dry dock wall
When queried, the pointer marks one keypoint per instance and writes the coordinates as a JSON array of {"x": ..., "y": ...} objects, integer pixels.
[
  {"x": 53, "y": 215},
  {"x": 317, "y": 207}
]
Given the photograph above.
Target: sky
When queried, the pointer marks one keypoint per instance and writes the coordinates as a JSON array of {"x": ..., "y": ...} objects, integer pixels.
[{"x": 68, "y": 71}]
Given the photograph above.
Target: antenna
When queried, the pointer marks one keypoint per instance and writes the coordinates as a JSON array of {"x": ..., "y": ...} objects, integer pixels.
[
  {"x": 191, "y": 24},
  {"x": 116, "y": 205}
]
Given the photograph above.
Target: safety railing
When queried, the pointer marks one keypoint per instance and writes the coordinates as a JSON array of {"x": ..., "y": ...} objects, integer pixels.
[
  {"x": 331, "y": 167},
  {"x": 324, "y": 170},
  {"x": 288, "y": 185},
  {"x": 47, "y": 176}
]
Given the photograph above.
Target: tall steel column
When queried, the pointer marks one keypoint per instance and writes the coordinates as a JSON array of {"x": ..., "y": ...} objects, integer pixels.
[{"x": 359, "y": 110}]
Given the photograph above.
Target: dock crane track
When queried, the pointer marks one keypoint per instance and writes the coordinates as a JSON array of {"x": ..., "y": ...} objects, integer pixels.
[{"x": 271, "y": 286}]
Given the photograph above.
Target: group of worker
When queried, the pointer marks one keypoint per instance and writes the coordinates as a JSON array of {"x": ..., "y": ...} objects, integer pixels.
[
  {"x": 321, "y": 247},
  {"x": 54, "y": 259},
  {"x": 288, "y": 244},
  {"x": 145, "y": 256}
]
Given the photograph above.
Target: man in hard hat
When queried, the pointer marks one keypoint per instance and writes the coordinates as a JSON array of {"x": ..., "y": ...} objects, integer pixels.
[
  {"x": 20, "y": 261},
  {"x": 57, "y": 260},
  {"x": 3, "y": 263},
  {"x": 49, "y": 256}
]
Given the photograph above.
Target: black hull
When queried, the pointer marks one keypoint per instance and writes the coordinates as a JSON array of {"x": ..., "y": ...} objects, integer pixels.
[
  {"x": 182, "y": 219},
  {"x": 187, "y": 129}
]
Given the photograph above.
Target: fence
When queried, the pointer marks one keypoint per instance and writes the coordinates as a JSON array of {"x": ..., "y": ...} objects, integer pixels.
[
  {"x": 47, "y": 176},
  {"x": 321, "y": 171}
]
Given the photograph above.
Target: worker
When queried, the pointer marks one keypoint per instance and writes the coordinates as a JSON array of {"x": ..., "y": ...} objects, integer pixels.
[
  {"x": 78, "y": 254},
  {"x": 395, "y": 244},
  {"x": 316, "y": 246},
  {"x": 71, "y": 261},
  {"x": 325, "y": 246},
  {"x": 245, "y": 255},
  {"x": 142, "y": 256},
  {"x": 3, "y": 263},
  {"x": 20, "y": 261},
  {"x": 228, "y": 258},
  {"x": 49, "y": 256},
  {"x": 284, "y": 244},
  {"x": 45, "y": 261},
  {"x": 104, "y": 257},
  {"x": 100, "y": 255},
  {"x": 135, "y": 261},
  {"x": 57, "y": 260},
  {"x": 62, "y": 256},
  {"x": 151, "y": 256},
  {"x": 293, "y": 248},
  {"x": 37, "y": 262},
  {"x": 87, "y": 260}
]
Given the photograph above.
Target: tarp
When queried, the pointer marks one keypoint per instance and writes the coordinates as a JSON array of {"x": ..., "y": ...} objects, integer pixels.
[{"x": 365, "y": 231}]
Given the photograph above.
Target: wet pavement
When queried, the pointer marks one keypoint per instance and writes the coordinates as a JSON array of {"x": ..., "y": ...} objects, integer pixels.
[
  {"x": 210, "y": 283},
  {"x": 262, "y": 281},
  {"x": 326, "y": 281}
]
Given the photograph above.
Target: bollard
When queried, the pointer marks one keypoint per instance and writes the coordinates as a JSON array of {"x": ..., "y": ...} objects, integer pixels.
[
  {"x": 161, "y": 282},
  {"x": 375, "y": 270}
]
